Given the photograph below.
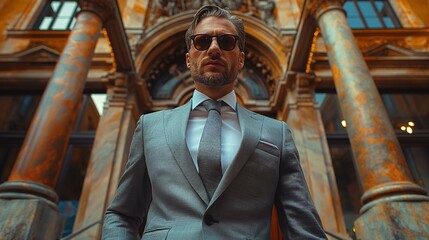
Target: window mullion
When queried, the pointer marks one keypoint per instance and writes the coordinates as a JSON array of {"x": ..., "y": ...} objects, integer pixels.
[
  {"x": 360, "y": 13},
  {"x": 71, "y": 19},
  {"x": 54, "y": 17},
  {"x": 392, "y": 15},
  {"x": 380, "y": 17}
]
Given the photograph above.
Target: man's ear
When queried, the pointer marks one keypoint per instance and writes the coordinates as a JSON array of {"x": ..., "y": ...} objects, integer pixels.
[
  {"x": 241, "y": 60},
  {"x": 188, "y": 63}
]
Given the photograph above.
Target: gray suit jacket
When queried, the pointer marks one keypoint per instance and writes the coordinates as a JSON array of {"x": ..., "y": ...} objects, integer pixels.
[{"x": 162, "y": 188}]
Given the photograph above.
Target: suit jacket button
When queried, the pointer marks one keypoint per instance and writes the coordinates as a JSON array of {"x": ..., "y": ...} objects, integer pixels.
[{"x": 209, "y": 220}]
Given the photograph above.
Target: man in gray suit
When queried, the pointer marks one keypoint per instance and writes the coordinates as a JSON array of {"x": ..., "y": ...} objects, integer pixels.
[{"x": 182, "y": 185}]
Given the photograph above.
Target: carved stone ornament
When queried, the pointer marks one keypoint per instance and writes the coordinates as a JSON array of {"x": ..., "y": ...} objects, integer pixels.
[
  {"x": 162, "y": 9},
  {"x": 117, "y": 89},
  {"x": 105, "y": 9},
  {"x": 167, "y": 7},
  {"x": 231, "y": 5},
  {"x": 317, "y": 7},
  {"x": 266, "y": 11},
  {"x": 414, "y": 43}
]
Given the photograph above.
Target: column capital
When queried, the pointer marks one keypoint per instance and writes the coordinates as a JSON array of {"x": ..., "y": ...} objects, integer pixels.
[
  {"x": 300, "y": 92},
  {"x": 117, "y": 89},
  {"x": 105, "y": 9},
  {"x": 115, "y": 79},
  {"x": 302, "y": 85},
  {"x": 318, "y": 7}
]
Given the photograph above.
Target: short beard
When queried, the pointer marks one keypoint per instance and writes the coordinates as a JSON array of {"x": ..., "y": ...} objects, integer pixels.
[{"x": 211, "y": 80}]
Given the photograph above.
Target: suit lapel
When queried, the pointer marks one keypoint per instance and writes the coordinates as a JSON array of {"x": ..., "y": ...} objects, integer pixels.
[
  {"x": 175, "y": 130},
  {"x": 250, "y": 124}
]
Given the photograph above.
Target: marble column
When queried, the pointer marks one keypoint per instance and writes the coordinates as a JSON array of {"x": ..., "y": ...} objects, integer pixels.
[
  {"x": 108, "y": 157},
  {"x": 303, "y": 116},
  {"x": 392, "y": 202},
  {"x": 28, "y": 193}
]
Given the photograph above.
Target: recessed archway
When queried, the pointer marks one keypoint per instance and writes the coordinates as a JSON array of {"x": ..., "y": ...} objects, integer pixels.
[{"x": 161, "y": 63}]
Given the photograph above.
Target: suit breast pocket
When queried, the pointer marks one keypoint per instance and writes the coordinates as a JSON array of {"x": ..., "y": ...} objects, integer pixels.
[
  {"x": 268, "y": 147},
  {"x": 267, "y": 155},
  {"x": 156, "y": 234},
  {"x": 258, "y": 178}
]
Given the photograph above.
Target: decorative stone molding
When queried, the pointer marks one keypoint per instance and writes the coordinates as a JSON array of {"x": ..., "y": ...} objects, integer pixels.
[
  {"x": 262, "y": 69},
  {"x": 117, "y": 90},
  {"x": 265, "y": 11},
  {"x": 416, "y": 43},
  {"x": 105, "y": 9},
  {"x": 161, "y": 10},
  {"x": 160, "y": 62},
  {"x": 29, "y": 190},
  {"x": 318, "y": 7},
  {"x": 301, "y": 90}
]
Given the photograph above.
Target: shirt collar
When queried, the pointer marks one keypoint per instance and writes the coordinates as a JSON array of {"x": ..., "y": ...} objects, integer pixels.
[{"x": 199, "y": 97}]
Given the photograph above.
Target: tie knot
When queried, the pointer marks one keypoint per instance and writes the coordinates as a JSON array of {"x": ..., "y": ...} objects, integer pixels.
[{"x": 211, "y": 104}]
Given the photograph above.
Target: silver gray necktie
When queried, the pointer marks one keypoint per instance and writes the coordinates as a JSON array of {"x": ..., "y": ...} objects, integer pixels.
[{"x": 208, "y": 158}]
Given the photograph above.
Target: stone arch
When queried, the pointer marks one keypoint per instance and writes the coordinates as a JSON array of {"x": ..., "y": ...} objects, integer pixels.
[{"x": 160, "y": 61}]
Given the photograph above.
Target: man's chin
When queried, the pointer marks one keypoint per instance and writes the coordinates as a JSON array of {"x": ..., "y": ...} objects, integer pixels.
[
  {"x": 212, "y": 79},
  {"x": 214, "y": 75}
]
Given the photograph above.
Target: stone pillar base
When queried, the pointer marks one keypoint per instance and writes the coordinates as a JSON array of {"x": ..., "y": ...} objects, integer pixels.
[
  {"x": 394, "y": 220},
  {"x": 29, "y": 219}
]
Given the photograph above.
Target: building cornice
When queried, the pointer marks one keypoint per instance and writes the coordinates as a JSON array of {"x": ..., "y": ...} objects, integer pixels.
[{"x": 317, "y": 8}]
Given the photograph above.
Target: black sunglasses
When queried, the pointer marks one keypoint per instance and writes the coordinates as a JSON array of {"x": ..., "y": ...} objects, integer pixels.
[{"x": 226, "y": 42}]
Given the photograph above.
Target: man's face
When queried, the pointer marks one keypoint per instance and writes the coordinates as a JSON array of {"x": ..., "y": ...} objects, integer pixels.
[{"x": 214, "y": 67}]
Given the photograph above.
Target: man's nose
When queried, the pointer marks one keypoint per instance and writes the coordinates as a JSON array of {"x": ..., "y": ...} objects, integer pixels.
[{"x": 214, "y": 47}]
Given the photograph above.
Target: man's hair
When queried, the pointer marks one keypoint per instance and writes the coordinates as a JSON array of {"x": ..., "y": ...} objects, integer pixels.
[{"x": 215, "y": 11}]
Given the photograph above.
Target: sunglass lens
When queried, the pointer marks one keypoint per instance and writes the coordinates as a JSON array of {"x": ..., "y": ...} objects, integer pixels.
[
  {"x": 227, "y": 42},
  {"x": 202, "y": 42}
]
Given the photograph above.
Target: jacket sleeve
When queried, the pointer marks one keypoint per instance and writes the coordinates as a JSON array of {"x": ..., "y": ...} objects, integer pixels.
[
  {"x": 131, "y": 201},
  {"x": 298, "y": 217}
]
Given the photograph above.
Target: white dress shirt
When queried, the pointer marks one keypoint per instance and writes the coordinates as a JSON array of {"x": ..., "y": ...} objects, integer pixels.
[{"x": 231, "y": 132}]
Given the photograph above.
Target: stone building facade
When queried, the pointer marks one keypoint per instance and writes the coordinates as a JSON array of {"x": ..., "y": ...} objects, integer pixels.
[{"x": 351, "y": 79}]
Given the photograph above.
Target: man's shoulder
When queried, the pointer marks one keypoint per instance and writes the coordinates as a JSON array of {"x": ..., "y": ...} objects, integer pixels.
[
  {"x": 161, "y": 113},
  {"x": 267, "y": 120}
]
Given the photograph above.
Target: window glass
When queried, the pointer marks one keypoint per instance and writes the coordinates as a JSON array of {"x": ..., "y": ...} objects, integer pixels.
[
  {"x": 373, "y": 22},
  {"x": 370, "y": 14},
  {"x": 60, "y": 24},
  {"x": 55, "y": 5},
  {"x": 367, "y": 9},
  {"x": 73, "y": 23},
  {"x": 348, "y": 184},
  {"x": 8, "y": 153},
  {"x": 351, "y": 10},
  {"x": 17, "y": 111},
  {"x": 68, "y": 9},
  {"x": 417, "y": 159},
  {"x": 379, "y": 5},
  {"x": 16, "y": 114},
  {"x": 46, "y": 23},
  {"x": 409, "y": 113},
  {"x": 99, "y": 99},
  {"x": 58, "y": 15},
  {"x": 347, "y": 177},
  {"x": 388, "y": 22},
  {"x": 331, "y": 113},
  {"x": 70, "y": 183},
  {"x": 355, "y": 23}
]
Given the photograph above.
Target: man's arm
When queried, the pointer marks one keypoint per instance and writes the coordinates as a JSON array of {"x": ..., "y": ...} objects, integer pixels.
[
  {"x": 297, "y": 215},
  {"x": 129, "y": 206}
]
